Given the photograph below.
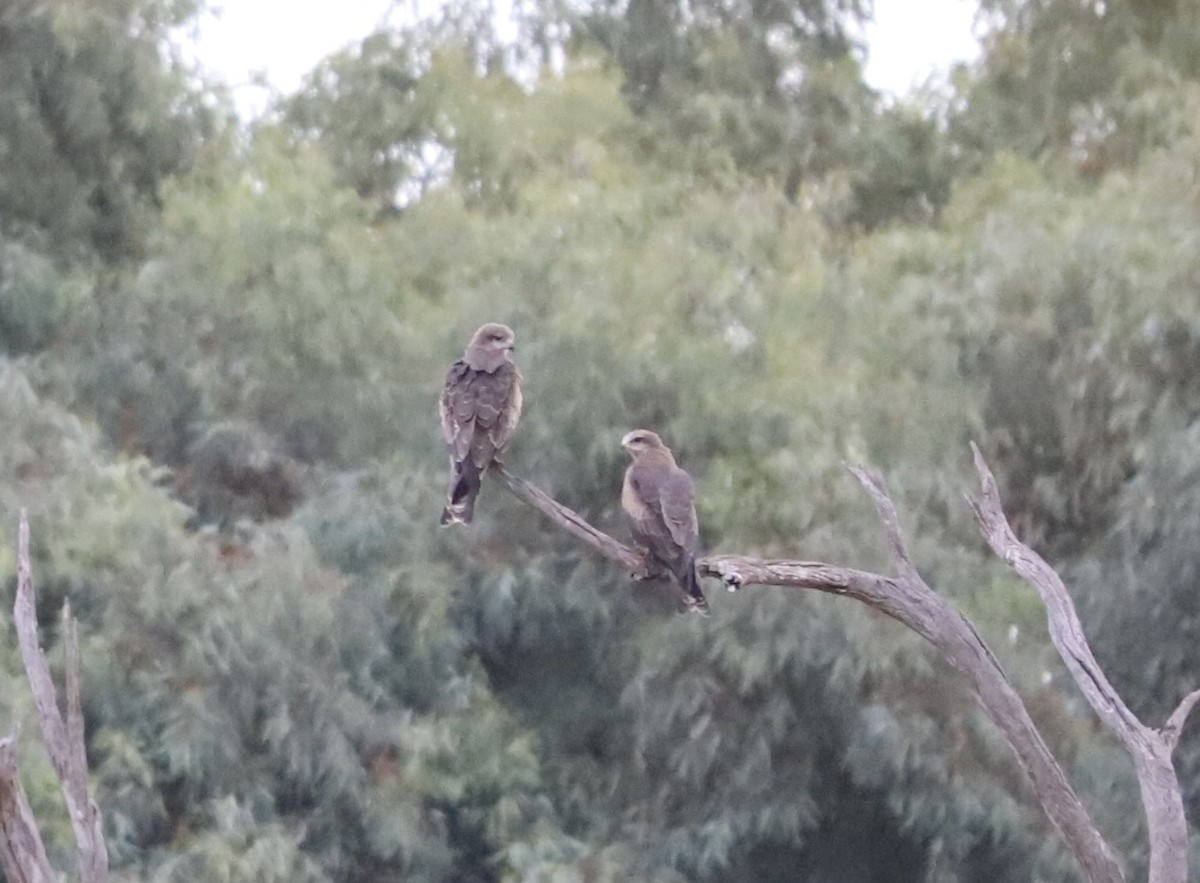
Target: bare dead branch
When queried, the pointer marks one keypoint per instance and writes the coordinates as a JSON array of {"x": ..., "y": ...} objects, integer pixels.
[
  {"x": 1173, "y": 728},
  {"x": 22, "y": 852},
  {"x": 45, "y": 697},
  {"x": 63, "y": 739},
  {"x": 1151, "y": 750},
  {"x": 909, "y": 600},
  {"x": 573, "y": 523},
  {"x": 1066, "y": 631},
  {"x": 92, "y": 852},
  {"x": 874, "y": 485}
]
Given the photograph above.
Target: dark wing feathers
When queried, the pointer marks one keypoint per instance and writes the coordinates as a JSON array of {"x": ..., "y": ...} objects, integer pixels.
[
  {"x": 665, "y": 520},
  {"x": 456, "y": 411},
  {"x": 677, "y": 498},
  {"x": 479, "y": 411},
  {"x": 510, "y": 413},
  {"x": 661, "y": 504}
]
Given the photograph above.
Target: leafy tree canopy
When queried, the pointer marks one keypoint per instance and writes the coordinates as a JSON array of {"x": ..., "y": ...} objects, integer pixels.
[{"x": 218, "y": 387}]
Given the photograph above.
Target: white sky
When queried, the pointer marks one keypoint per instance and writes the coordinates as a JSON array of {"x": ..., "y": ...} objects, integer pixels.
[
  {"x": 284, "y": 39},
  {"x": 911, "y": 39}
]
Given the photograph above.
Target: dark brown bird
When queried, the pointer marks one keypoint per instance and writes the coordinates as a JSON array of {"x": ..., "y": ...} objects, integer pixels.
[
  {"x": 660, "y": 501},
  {"x": 480, "y": 407}
]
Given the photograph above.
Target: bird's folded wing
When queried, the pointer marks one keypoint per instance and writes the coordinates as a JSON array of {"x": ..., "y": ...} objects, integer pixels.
[{"x": 678, "y": 500}]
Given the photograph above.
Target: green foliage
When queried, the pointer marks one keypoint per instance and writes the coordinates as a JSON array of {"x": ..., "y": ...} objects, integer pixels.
[
  {"x": 1094, "y": 85},
  {"x": 376, "y": 113},
  {"x": 239, "y": 726},
  {"x": 246, "y": 294},
  {"x": 1081, "y": 292},
  {"x": 705, "y": 224},
  {"x": 91, "y": 121},
  {"x": 776, "y": 84},
  {"x": 1142, "y": 575},
  {"x": 38, "y": 301}
]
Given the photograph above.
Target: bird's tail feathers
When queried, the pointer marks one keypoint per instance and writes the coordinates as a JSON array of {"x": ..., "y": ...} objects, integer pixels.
[
  {"x": 693, "y": 595},
  {"x": 460, "y": 498}
]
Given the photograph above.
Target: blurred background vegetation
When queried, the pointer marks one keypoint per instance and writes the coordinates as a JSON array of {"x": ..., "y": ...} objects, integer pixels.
[{"x": 222, "y": 344}]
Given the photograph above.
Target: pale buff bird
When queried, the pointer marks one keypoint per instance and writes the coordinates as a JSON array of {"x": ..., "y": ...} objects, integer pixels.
[{"x": 660, "y": 501}]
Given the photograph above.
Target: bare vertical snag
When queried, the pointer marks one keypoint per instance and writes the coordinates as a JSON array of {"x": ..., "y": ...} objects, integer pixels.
[
  {"x": 64, "y": 740},
  {"x": 1151, "y": 749},
  {"x": 22, "y": 852},
  {"x": 907, "y": 598}
]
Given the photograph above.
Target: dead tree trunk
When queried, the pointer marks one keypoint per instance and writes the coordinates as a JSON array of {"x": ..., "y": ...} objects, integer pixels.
[
  {"x": 21, "y": 848},
  {"x": 907, "y": 598}
]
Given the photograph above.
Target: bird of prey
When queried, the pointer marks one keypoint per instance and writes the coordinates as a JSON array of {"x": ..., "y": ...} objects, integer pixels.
[
  {"x": 660, "y": 501},
  {"x": 480, "y": 407}
]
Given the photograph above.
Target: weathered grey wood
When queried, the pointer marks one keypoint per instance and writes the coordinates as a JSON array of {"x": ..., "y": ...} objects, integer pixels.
[
  {"x": 573, "y": 523},
  {"x": 1150, "y": 749},
  {"x": 22, "y": 853},
  {"x": 1173, "y": 728},
  {"x": 64, "y": 740},
  {"x": 906, "y": 598}
]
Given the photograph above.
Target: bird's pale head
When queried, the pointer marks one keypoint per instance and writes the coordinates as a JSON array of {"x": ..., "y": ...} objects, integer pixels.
[
  {"x": 490, "y": 346},
  {"x": 639, "y": 440}
]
